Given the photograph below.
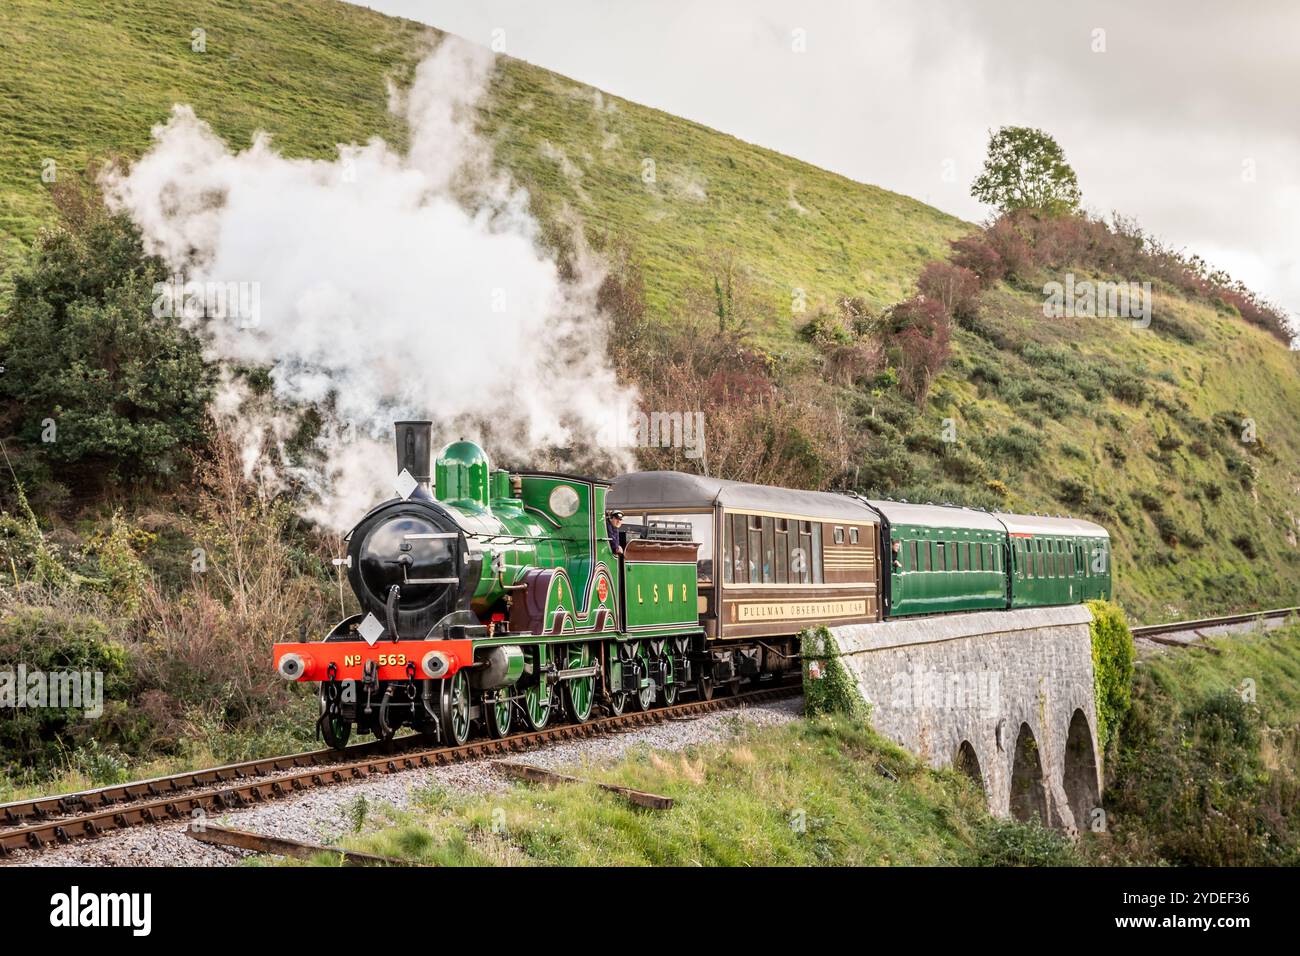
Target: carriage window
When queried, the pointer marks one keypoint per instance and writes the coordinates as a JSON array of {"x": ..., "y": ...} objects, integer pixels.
[
  {"x": 769, "y": 546},
  {"x": 801, "y": 554},
  {"x": 782, "y": 551},
  {"x": 926, "y": 557},
  {"x": 738, "y": 545},
  {"x": 916, "y": 556},
  {"x": 1025, "y": 551},
  {"x": 839, "y": 535},
  {"x": 1039, "y": 557},
  {"x": 853, "y": 536},
  {"x": 952, "y": 555},
  {"x": 754, "y": 557},
  {"x": 817, "y": 552}
]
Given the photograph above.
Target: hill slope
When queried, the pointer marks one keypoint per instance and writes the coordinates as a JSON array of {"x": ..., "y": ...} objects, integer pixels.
[
  {"x": 81, "y": 80},
  {"x": 1140, "y": 429}
]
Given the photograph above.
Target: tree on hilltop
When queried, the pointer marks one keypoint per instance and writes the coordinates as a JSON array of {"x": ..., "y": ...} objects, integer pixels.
[{"x": 1026, "y": 169}]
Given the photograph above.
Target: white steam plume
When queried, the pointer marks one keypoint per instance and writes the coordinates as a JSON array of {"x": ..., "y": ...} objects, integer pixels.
[{"x": 389, "y": 286}]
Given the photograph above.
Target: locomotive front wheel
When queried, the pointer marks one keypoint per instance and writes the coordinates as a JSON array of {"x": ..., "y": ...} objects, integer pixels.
[
  {"x": 579, "y": 694},
  {"x": 335, "y": 731},
  {"x": 498, "y": 709},
  {"x": 455, "y": 707}
]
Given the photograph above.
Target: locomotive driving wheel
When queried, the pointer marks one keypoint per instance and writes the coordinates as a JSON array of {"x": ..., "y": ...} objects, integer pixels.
[
  {"x": 667, "y": 659},
  {"x": 643, "y": 699},
  {"x": 579, "y": 693},
  {"x": 498, "y": 710},
  {"x": 454, "y": 709}
]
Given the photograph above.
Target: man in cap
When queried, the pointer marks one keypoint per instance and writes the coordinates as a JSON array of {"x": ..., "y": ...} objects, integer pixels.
[{"x": 617, "y": 539}]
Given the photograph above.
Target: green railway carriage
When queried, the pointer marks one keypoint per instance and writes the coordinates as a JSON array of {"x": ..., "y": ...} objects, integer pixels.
[
  {"x": 940, "y": 559},
  {"x": 1056, "y": 560}
]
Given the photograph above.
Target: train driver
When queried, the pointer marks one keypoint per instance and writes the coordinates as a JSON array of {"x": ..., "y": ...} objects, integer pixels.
[{"x": 617, "y": 539}]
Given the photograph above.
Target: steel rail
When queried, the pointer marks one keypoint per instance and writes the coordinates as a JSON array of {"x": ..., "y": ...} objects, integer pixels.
[{"x": 1173, "y": 627}]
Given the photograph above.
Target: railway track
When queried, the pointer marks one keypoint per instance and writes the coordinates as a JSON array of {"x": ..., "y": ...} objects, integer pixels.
[
  {"x": 1174, "y": 627},
  {"x": 42, "y": 822}
]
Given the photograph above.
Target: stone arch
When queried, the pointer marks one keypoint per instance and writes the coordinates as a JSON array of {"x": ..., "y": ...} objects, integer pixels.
[
  {"x": 1028, "y": 797},
  {"x": 967, "y": 761},
  {"x": 1080, "y": 773}
]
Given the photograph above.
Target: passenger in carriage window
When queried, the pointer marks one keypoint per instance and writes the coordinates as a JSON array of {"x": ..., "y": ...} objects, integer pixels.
[{"x": 898, "y": 555}]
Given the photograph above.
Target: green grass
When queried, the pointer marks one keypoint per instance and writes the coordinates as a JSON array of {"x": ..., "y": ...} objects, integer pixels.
[{"x": 822, "y": 791}]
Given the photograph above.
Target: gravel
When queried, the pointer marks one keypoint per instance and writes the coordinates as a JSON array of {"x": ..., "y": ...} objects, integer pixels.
[{"x": 323, "y": 815}]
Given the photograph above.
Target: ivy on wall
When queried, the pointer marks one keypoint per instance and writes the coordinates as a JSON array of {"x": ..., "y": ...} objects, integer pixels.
[
  {"x": 828, "y": 687},
  {"x": 1112, "y": 667}
]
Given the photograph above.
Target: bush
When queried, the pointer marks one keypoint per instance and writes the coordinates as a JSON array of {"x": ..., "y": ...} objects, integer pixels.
[
  {"x": 102, "y": 384},
  {"x": 956, "y": 287},
  {"x": 1112, "y": 667},
  {"x": 53, "y": 640},
  {"x": 1015, "y": 445},
  {"x": 920, "y": 336},
  {"x": 828, "y": 686},
  {"x": 1011, "y": 843},
  {"x": 977, "y": 255}
]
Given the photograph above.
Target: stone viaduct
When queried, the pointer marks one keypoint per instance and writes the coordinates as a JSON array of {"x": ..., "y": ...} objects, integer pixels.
[{"x": 1006, "y": 697}]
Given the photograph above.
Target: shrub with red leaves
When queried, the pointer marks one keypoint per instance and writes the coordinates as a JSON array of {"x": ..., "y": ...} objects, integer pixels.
[
  {"x": 955, "y": 286},
  {"x": 975, "y": 253},
  {"x": 921, "y": 335}
]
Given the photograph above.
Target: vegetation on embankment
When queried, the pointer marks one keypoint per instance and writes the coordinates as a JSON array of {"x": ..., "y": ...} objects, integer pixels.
[
  {"x": 1207, "y": 768},
  {"x": 826, "y": 791}
]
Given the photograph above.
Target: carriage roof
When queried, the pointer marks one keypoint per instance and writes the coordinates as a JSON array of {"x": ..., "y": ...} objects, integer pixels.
[
  {"x": 938, "y": 516},
  {"x": 675, "y": 489},
  {"x": 1042, "y": 524}
]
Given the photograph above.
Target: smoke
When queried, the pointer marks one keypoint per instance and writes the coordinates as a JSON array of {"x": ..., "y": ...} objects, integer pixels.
[{"x": 379, "y": 286}]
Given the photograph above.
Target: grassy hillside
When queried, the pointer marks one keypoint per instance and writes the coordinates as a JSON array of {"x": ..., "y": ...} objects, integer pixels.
[
  {"x": 1140, "y": 430},
  {"x": 81, "y": 80}
]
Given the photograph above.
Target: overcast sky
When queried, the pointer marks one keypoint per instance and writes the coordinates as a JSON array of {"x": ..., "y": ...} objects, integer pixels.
[{"x": 1182, "y": 114}]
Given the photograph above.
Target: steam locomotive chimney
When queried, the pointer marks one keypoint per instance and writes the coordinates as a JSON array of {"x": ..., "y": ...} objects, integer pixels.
[{"x": 413, "y": 449}]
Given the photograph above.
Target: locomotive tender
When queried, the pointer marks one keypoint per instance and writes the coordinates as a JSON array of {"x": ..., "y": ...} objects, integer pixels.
[{"x": 489, "y": 597}]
